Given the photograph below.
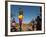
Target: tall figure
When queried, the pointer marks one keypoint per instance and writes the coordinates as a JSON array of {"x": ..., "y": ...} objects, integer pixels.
[{"x": 20, "y": 16}]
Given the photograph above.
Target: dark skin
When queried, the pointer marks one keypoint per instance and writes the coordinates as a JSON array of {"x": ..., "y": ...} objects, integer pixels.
[{"x": 13, "y": 29}]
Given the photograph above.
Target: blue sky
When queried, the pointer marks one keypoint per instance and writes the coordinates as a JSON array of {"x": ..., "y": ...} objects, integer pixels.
[{"x": 30, "y": 12}]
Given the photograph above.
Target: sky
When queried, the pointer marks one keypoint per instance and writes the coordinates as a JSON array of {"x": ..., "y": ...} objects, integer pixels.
[{"x": 30, "y": 12}]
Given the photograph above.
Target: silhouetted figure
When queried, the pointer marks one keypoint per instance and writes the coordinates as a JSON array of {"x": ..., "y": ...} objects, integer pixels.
[{"x": 38, "y": 26}]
